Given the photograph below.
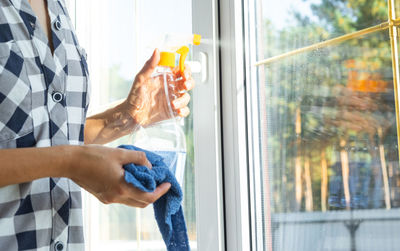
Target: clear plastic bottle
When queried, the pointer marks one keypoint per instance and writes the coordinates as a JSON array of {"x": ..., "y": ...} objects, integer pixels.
[{"x": 166, "y": 137}]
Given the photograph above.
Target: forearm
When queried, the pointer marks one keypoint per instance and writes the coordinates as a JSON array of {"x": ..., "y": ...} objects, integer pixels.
[
  {"x": 27, "y": 164},
  {"x": 108, "y": 126}
]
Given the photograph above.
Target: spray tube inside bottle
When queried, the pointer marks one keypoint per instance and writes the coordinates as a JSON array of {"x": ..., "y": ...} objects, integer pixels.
[{"x": 166, "y": 137}]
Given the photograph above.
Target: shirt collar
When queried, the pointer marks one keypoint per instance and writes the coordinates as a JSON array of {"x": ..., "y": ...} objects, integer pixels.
[{"x": 23, "y": 5}]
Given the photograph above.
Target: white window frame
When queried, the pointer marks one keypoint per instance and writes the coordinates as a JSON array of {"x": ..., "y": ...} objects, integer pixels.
[
  {"x": 237, "y": 133},
  {"x": 207, "y": 130}
]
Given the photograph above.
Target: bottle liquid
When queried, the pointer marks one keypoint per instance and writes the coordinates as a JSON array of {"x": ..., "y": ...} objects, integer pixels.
[{"x": 166, "y": 137}]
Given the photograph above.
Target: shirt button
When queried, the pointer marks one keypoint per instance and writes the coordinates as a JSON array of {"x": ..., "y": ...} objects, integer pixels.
[
  {"x": 57, "y": 24},
  {"x": 57, "y": 97},
  {"x": 59, "y": 246}
]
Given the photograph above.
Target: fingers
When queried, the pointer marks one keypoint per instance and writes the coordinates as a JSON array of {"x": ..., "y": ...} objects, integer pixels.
[
  {"x": 180, "y": 105},
  {"x": 186, "y": 83},
  {"x": 184, "y": 112},
  {"x": 181, "y": 102},
  {"x": 154, "y": 196},
  {"x": 135, "y": 157},
  {"x": 149, "y": 66},
  {"x": 186, "y": 74},
  {"x": 133, "y": 203},
  {"x": 137, "y": 198}
]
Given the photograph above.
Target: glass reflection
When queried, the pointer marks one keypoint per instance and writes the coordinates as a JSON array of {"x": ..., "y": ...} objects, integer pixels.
[
  {"x": 331, "y": 169},
  {"x": 339, "y": 102},
  {"x": 332, "y": 136}
]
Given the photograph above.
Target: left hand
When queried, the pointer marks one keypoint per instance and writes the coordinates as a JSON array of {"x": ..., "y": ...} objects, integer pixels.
[{"x": 146, "y": 101}]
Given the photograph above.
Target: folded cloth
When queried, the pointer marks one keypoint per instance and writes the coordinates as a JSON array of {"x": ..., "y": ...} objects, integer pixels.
[{"x": 168, "y": 210}]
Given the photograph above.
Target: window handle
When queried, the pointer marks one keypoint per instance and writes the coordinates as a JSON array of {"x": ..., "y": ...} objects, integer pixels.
[{"x": 200, "y": 67}]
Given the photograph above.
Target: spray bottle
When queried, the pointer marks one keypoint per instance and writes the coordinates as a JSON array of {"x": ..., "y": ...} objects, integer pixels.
[{"x": 166, "y": 137}]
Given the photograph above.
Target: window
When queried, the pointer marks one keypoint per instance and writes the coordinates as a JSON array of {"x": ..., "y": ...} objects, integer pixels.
[
  {"x": 117, "y": 36},
  {"x": 294, "y": 130},
  {"x": 323, "y": 124}
]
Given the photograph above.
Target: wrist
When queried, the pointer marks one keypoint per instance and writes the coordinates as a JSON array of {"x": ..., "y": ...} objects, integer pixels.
[
  {"x": 110, "y": 124},
  {"x": 127, "y": 116},
  {"x": 69, "y": 158}
]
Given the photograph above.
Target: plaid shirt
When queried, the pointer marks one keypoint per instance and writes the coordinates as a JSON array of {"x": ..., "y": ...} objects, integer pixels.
[{"x": 43, "y": 102}]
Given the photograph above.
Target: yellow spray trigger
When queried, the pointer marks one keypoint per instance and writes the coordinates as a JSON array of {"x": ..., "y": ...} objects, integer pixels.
[{"x": 183, "y": 51}]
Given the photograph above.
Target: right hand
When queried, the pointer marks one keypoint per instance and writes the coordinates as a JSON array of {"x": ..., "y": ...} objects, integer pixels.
[
  {"x": 146, "y": 102},
  {"x": 99, "y": 170}
]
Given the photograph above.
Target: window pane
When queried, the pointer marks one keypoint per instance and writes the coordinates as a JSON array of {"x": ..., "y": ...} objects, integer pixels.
[
  {"x": 330, "y": 168},
  {"x": 119, "y": 37},
  {"x": 294, "y": 20}
]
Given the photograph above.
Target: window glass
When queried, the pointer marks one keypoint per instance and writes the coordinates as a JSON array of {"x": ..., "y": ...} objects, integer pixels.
[
  {"x": 119, "y": 37},
  {"x": 330, "y": 176},
  {"x": 302, "y": 23}
]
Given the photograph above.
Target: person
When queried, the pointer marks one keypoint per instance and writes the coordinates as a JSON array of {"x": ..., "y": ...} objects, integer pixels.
[{"x": 48, "y": 149}]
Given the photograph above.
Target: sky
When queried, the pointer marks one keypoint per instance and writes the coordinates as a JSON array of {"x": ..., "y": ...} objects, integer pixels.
[{"x": 279, "y": 12}]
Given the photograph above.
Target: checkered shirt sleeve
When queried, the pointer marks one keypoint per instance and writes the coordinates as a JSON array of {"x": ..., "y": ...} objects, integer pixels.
[{"x": 43, "y": 102}]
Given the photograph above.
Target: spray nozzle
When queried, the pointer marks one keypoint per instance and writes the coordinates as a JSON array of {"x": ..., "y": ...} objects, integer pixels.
[
  {"x": 196, "y": 39},
  {"x": 172, "y": 45}
]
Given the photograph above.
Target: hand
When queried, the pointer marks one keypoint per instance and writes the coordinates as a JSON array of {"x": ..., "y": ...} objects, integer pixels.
[
  {"x": 146, "y": 102},
  {"x": 99, "y": 170}
]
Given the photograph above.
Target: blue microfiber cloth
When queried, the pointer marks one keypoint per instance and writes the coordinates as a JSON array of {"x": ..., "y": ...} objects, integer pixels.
[{"x": 168, "y": 210}]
